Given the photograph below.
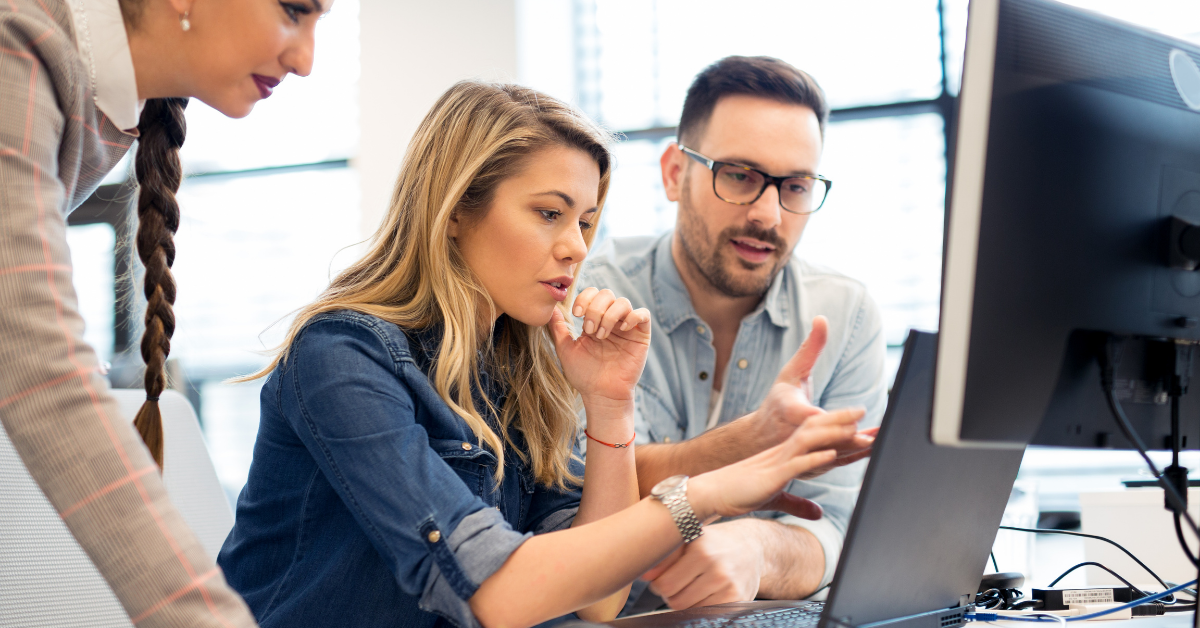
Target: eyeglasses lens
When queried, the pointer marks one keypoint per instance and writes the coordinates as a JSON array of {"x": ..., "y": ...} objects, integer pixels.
[{"x": 736, "y": 184}]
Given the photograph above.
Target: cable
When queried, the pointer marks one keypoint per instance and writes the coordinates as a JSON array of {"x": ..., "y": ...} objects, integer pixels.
[
  {"x": 994, "y": 565},
  {"x": 1003, "y": 599},
  {"x": 1040, "y": 616},
  {"x": 1108, "y": 368},
  {"x": 1136, "y": 591},
  {"x": 1098, "y": 538}
]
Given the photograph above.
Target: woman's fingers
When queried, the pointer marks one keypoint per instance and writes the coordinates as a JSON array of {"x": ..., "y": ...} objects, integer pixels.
[
  {"x": 815, "y": 460},
  {"x": 612, "y": 315},
  {"x": 813, "y": 437},
  {"x": 639, "y": 318},
  {"x": 560, "y": 329},
  {"x": 582, "y": 300},
  {"x": 852, "y": 458},
  {"x": 594, "y": 309}
]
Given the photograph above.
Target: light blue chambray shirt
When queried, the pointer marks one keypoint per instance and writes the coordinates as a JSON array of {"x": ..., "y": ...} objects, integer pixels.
[{"x": 673, "y": 395}]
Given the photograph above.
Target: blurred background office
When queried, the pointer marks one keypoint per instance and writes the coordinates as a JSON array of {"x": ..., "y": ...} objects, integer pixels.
[{"x": 279, "y": 202}]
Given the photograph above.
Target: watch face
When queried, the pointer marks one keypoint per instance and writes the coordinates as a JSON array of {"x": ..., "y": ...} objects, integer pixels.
[{"x": 668, "y": 485}]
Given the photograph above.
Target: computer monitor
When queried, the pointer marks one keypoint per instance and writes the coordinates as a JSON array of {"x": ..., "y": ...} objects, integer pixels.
[{"x": 1072, "y": 208}]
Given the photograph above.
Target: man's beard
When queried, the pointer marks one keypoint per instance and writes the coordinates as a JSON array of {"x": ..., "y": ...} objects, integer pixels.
[{"x": 706, "y": 255}]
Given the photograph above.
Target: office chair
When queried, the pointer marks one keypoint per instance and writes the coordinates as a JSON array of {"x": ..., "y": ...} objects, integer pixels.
[{"x": 45, "y": 578}]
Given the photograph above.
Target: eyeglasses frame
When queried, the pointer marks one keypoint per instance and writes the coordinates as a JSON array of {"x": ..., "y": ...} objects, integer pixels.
[{"x": 768, "y": 180}]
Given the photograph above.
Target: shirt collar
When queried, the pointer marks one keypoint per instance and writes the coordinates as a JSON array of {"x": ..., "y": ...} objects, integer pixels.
[
  {"x": 673, "y": 304},
  {"x": 104, "y": 46}
]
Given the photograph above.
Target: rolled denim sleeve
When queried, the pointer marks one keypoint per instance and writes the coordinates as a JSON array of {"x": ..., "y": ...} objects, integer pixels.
[
  {"x": 483, "y": 541},
  {"x": 857, "y": 381},
  {"x": 552, "y": 509},
  {"x": 351, "y": 403}
]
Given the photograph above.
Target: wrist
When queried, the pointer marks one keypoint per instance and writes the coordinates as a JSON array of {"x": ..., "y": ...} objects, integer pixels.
[
  {"x": 700, "y": 496},
  {"x": 744, "y": 437},
  {"x": 607, "y": 408},
  {"x": 757, "y": 535}
]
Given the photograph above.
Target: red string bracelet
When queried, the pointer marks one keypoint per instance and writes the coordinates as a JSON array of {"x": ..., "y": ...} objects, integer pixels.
[{"x": 613, "y": 445}]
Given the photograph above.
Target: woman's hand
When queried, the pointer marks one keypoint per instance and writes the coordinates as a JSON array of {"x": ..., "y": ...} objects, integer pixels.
[
  {"x": 606, "y": 360},
  {"x": 758, "y": 482}
]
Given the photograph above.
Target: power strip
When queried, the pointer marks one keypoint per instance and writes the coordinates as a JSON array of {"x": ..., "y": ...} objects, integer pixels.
[{"x": 1063, "y": 599}]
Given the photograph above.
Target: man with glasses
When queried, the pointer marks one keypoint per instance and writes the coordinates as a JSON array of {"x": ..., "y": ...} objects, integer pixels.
[{"x": 727, "y": 375}]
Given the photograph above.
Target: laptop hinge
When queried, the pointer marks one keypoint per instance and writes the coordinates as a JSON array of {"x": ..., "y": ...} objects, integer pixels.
[{"x": 941, "y": 618}]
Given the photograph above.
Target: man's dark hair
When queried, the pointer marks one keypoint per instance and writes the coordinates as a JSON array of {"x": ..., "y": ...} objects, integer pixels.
[{"x": 764, "y": 77}]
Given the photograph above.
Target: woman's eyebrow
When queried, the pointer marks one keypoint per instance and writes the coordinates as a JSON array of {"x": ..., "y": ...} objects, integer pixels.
[
  {"x": 563, "y": 195},
  {"x": 317, "y": 6}
]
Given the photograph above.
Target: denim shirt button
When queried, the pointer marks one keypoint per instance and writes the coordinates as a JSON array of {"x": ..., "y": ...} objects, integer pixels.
[
  {"x": 703, "y": 375},
  {"x": 700, "y": 330},
  {"x": 466, "y": 446},
  {"x": 434, "y": 536},
  {"x": 743, "y": 363}
]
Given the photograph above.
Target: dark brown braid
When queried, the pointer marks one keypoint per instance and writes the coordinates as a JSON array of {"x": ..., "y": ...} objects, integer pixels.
[{"x": 159, "y": 172}]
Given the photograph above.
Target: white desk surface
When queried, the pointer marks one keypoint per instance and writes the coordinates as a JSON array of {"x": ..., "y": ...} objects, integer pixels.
[{"x": 1170, "y": 620}]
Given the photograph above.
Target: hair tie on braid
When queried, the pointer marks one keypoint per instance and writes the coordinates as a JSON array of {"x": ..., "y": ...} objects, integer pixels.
[{"x": 162, "y": 129}]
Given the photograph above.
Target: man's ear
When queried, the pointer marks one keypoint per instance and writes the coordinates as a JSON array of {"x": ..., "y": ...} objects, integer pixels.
[{"x": 673, "y": 161}]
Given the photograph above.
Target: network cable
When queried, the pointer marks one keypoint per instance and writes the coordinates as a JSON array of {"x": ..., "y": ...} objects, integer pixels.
[
  {"x": 1044, "y": 617},
  {"x": 1109, "y": 360},
  {"x": 1095, "y": 537}
]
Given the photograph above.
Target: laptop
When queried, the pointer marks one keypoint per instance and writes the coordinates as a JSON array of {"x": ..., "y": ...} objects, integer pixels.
[{"x": 918, "y": 541}]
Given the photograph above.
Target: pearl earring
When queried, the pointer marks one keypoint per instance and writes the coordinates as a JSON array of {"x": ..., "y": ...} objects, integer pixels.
[{"x": 184, "y": 23}]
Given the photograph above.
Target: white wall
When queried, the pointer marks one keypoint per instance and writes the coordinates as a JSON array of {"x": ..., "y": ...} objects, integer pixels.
[{"x": 412, "y": 50}]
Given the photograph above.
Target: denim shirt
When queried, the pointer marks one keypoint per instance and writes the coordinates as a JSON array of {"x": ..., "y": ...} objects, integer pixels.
[
  {"x": 672, "y": 398},
  {"x": 370, "y": 503}
]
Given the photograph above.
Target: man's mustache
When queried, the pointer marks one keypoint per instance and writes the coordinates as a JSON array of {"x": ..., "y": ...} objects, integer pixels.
[{"x": 762, "y": 235}]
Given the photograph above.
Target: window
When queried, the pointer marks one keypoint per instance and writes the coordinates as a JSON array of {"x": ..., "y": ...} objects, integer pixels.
[
  {"x": 92, "y": 272},
  {"x": 890, "y": 70},
  {"x": 269, "y": 212},
  {"x": 629, "y": 64}
]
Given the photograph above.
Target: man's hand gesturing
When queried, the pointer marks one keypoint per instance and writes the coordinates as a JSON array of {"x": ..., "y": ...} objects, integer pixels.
[{"x": 789, "y": 404}]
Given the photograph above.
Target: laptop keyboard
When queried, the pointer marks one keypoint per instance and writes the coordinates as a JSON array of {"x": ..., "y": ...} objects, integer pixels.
[{"x": 796, "y": 617}]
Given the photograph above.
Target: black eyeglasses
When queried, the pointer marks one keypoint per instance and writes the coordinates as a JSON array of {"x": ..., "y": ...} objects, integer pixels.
[{"x": 742, "y": 185}]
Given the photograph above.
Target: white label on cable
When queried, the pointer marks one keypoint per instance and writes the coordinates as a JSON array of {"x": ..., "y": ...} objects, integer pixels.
[{"x": 1087, "y": 596}]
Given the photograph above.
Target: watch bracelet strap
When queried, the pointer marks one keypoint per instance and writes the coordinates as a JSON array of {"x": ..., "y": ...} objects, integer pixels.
[{"x": 684, "y": 517}]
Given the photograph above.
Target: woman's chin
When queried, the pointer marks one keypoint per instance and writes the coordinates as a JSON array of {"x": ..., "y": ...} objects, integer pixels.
[
  {"x": 534, "y": 317},
  {"x": 234, "y": 107}
]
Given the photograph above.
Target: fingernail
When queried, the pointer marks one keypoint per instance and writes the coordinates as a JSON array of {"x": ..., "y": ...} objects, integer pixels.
[
  {"x": 601, "y": 334},
  {"x": 588, "y": 327},
  {"x": 625, "y": 326},
  {"x": 578, "y": 311}
]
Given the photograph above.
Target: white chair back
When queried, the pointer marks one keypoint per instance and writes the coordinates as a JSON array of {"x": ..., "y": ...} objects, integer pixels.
[
  {"x": 188, "y": 471},
  {"x": 46, "y": 579}
]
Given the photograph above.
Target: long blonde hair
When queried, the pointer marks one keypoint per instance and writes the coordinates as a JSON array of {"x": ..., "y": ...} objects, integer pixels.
[{"x": 414, "y": 275}]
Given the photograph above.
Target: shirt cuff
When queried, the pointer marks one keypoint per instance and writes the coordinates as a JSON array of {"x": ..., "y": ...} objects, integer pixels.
[
  {"x": 557, "y": 520},
  {"x": 472, "y": 553},
  {"x": 830, "y": 538}
]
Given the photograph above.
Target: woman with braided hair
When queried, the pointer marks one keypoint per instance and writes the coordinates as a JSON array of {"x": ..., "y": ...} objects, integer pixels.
[{"x": 80, "y": 80}]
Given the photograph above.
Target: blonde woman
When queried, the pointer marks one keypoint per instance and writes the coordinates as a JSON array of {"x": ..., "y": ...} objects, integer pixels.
[{"x": 416, "y": 461}]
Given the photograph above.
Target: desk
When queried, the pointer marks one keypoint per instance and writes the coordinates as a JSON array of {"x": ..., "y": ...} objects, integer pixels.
[{"x": 1170, "y": 620}]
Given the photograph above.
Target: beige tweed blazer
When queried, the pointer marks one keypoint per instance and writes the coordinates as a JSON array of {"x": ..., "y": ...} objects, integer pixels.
[{"x": 55, "y": 147}]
